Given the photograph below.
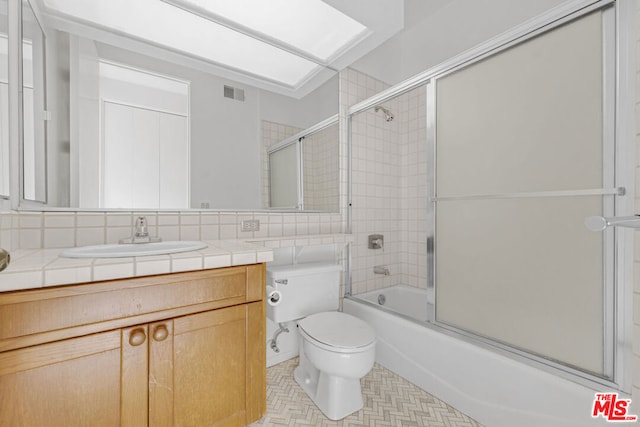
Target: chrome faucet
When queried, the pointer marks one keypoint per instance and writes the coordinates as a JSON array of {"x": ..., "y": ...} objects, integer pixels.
[
  {"x": 381, "y": 269},
  {"x": 141, "y": 228},
  {"x": 141, "y": 233}
]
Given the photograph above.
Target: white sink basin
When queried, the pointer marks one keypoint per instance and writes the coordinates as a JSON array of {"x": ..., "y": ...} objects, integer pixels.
[{"x": 133, "y": 249}]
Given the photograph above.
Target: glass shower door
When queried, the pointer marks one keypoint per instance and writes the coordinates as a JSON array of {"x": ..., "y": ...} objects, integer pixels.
[{"x": 523, "y": 153}]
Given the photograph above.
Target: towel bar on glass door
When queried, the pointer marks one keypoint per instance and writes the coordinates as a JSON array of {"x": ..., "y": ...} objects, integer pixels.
[
  {"x": 599, "y": 223},
  {"x": 619, "y": 191}
]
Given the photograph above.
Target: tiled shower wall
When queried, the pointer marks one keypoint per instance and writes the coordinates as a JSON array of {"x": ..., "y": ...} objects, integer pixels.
[
  {"x": 389, "y": 186},
  {"x": 320, "y": 170},
  {"x": 412, "y": 112}
]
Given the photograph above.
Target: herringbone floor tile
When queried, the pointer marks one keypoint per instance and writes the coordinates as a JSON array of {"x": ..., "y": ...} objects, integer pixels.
[{"x": 389, "y": 400}]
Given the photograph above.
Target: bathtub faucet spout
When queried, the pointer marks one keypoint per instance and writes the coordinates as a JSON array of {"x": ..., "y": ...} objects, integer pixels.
[{"x": 381, "y": 269}]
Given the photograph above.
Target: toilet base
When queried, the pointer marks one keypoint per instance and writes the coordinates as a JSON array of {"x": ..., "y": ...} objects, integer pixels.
[{"x": 336, "y": 397}]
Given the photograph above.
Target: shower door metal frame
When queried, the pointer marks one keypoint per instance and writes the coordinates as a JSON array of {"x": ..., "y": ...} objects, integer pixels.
[
  {"x": 616, "y": 121},
  {"x": 610, "y": 178},
  {"x": 608, "y": 189},
  {"x": 297, "y": 139}
]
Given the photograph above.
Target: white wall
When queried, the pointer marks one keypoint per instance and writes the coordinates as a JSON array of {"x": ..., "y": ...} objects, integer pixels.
[
  {"x": 313, "y": 108},
  {"x": 449, "y": 28}
]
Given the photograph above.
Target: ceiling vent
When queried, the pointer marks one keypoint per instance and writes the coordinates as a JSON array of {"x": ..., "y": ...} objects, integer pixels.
[{"x": 234, "y": 93}]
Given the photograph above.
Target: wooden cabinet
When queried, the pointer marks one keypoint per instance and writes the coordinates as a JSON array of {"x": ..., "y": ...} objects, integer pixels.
[{"x": 195, "y": 360}]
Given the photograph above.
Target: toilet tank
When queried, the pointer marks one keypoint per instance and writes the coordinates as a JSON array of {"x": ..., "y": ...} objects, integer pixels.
[{"x": 305, "y": 289}]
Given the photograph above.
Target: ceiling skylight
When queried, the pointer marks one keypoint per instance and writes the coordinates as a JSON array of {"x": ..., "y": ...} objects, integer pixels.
[
  {"x": 310, "y": 26},
  {"x": 163, "y": 24},
  {"x": 290, "y": 47}
]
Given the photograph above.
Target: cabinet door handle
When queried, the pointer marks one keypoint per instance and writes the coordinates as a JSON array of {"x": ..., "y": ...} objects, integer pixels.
[
  {"x": 137, "y": 337},
  {"x": 160, "y": 333}
]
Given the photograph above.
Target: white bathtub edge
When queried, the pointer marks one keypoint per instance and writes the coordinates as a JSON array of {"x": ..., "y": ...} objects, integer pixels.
[{"x": 491, "y": 388}]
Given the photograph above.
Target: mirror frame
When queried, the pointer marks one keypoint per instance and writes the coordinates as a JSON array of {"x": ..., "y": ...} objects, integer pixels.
[
  {"x": 6, "y": 197},
  {"x": 38, "y": 20}
]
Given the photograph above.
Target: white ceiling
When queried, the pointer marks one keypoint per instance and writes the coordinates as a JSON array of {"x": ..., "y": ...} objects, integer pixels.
[
  {"x": 437, "y": 30},
  {"x": 406, "y": 37},
  {"x": 281, "y": 67}
]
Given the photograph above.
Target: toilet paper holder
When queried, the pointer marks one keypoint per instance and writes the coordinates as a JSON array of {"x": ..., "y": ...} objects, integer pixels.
[{"x": 273, "y": 296}]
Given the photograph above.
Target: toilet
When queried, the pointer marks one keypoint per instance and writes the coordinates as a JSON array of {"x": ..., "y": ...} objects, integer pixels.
[{"x": 336, "y": 349}]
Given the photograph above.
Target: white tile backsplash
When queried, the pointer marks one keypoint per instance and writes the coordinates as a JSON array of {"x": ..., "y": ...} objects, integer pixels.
[
  {"x": 189, "y": 218},
  {"x": 30, "y": 220},
  {"x": 86, "y": 236},
  {"x": 114, "y": 234},
  {"x": 30, "y": 238},
  {"x": 28, "y": 230},
  {"x": 119, "y": 220},
  {"x": 207, "y": 218},
  {"x": 189, "y": 232},
  {"x": 91, "y": 220},
  {"x": 59, "y": 237},
  {"x": 67, "y": 220},
  {"x": 169, "y": 232},
  {"x": 166, "y": 218},
  {"x": 209, "y": 232},
  {"x": 228, "y": 231}
]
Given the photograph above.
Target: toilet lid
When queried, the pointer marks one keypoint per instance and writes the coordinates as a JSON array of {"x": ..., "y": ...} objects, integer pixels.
[{"x": 338, "y": 329}]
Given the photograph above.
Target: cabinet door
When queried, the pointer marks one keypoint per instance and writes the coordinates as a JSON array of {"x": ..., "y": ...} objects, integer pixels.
[
  {"x": 71, "y": 382},
  {"x": 208, "y": 384},
  {"x": 75, "y": 382}
]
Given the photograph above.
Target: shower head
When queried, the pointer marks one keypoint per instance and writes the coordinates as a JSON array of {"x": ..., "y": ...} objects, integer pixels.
[{"x": 387, "y": 114}]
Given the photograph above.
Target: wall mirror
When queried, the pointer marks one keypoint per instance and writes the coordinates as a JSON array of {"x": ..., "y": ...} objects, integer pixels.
[
  {"x": 4, "y": 101},
  {"x": 111, "y": 123}
]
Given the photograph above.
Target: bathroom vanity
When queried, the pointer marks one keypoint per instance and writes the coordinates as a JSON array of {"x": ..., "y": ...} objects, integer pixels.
[{"x": 171, "y": 349}]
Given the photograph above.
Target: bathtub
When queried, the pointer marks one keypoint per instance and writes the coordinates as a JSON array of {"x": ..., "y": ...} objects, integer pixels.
[
  {"x": 404, "y": 299},
  {"x": 494, "y": 389}
]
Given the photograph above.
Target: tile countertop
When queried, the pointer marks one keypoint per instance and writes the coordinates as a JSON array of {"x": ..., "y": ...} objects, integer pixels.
[{"x": 36, "y": 268}]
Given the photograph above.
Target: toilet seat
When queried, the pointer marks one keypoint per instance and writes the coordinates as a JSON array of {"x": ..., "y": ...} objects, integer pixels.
[{"x": 338, "y": 332}]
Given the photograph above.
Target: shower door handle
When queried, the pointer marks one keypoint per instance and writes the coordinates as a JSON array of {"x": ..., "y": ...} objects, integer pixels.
[
  {"x": 599, "y": 223},
  {"x": 430, "y": 246}
]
